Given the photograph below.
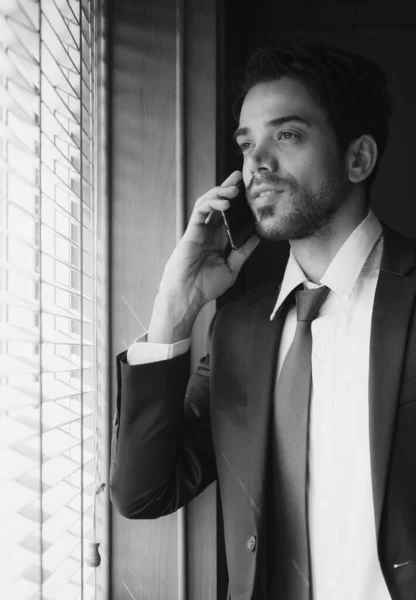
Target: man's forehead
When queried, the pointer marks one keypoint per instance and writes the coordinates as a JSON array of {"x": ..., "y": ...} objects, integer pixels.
[{"x": 279, "y": 98}]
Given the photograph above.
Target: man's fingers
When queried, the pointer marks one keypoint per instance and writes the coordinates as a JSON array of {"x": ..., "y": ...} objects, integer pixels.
[
  {"x": 233, "y": 179},
  {"x": 215, "y": 200},
  {"x": 218, "y": 193},
  {"x": 201, "y": 212},
  {"x": 214, "y": 218}
]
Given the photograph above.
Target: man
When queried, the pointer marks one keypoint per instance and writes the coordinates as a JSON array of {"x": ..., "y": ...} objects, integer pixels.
[{"x": 307, "y": 421}]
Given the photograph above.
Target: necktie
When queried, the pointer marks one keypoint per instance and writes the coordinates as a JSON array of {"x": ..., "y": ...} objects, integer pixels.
[{"x": 290, "y": 549}]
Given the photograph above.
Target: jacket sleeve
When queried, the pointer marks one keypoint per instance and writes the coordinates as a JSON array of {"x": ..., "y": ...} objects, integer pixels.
[{"x": 162, "y": 454}]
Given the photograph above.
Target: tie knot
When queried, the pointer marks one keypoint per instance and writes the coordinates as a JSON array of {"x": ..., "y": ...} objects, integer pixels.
[{"x": 309, "y": 302}]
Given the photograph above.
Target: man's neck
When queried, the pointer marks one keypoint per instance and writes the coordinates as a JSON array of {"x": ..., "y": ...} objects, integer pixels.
[{"x": 314, "y": 254}]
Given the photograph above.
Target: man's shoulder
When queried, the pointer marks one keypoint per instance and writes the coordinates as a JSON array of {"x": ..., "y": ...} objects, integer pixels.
[
  {"x": 399, "y": 254},
  {"x": 232, "y": 322},
  {"x": 236, "y": 315},
  {"x": 264, "y": 296}
]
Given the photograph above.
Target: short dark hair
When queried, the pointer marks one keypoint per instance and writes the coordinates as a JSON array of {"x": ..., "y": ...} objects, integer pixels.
[{"x": 352, "y": 89}]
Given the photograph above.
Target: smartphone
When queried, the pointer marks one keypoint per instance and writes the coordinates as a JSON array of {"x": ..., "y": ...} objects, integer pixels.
[{"x": 238, "y": 219}]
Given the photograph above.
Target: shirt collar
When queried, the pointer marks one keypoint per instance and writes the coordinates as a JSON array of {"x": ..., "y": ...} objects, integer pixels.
[{"x": 344, "y": 270}]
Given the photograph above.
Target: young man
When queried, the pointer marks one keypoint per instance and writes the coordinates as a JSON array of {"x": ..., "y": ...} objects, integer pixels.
[{"x": 307, "y": 420}]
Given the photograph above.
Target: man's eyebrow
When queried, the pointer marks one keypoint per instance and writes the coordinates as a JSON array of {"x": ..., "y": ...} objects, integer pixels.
[{"x": 273, "y": 123}]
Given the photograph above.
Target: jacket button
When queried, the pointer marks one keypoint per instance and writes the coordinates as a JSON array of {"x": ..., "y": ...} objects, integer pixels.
[{"x": 251, "y": 543}]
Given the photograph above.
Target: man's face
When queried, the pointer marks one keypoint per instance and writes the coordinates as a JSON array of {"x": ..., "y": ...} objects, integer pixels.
[{"x": 292, "y": 169}]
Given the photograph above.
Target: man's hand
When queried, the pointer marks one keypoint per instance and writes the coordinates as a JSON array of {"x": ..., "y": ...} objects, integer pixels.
[{"x": 198, "y": 270}]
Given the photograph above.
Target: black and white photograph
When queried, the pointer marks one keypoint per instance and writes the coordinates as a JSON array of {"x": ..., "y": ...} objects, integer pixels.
[{"x": 207, "y": 300}]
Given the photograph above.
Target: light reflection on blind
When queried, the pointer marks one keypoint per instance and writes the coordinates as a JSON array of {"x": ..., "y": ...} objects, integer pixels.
[{"x": 47, "y": 297}]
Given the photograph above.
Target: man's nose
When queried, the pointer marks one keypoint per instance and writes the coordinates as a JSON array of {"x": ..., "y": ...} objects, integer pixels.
[{"x": 262, "y": 158}]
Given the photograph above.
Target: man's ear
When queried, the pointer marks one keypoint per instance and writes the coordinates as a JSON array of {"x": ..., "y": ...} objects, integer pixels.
[{"x": 361, "y": 158}]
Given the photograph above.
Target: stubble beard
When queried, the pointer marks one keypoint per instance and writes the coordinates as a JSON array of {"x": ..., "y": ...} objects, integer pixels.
[{"x": 308, "y": 215}]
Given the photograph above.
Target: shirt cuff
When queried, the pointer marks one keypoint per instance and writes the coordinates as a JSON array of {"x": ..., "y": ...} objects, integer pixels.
[{"x": 142, "y": 351}]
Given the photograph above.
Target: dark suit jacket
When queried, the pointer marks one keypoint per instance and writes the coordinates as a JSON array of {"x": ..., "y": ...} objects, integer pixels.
[{"x": 165, "y": 451}]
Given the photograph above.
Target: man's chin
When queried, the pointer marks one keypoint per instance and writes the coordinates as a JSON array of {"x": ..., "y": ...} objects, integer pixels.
[
  {"x": 271, "y": 234},
  {"x": 283, "y": 232}
]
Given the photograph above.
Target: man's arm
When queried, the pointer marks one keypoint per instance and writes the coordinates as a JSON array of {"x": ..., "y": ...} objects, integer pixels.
[{"x": 161, "y": 453}]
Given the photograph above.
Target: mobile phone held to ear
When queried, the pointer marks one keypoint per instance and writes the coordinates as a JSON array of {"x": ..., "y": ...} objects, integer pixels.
[{"x": 238, "y": 219}]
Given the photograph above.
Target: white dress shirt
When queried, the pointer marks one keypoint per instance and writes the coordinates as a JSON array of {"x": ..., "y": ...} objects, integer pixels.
[{"x": 342, "y": 531}]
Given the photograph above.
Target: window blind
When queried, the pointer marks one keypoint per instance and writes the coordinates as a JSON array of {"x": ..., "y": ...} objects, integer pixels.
[{"x": 48, "y": 297}]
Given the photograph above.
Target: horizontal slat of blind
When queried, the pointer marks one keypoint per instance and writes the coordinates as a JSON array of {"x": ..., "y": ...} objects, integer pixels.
[
  {"x": 34, "y": 306},
  {"x": 47, "y": 280},
  {"x": 55, "y": 240},
  {"x": 14, "y": 398},
  {"x": 15, "y": 365},
  {"x": 51, "y": 336}
]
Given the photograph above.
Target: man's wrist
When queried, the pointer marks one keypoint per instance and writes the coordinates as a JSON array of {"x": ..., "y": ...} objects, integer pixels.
[{"x": 172, "y": 320}]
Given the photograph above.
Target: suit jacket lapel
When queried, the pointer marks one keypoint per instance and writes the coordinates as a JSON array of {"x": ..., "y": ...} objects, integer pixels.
[
  {"x": 263, "y": 345},
  {"x": 394, "y": 298}
]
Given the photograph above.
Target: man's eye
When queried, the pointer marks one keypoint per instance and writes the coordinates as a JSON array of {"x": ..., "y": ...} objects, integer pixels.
[
  {"x": 244, "y": 146},
  {"x": 288, "y": 135}
]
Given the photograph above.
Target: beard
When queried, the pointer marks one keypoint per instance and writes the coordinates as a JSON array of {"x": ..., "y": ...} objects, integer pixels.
[{"x": 305, "y": 212}]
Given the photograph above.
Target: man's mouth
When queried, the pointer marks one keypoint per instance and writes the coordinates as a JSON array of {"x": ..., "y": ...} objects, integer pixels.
[
  {"x": 263, "y": 191},
  {"x": 266, "y": 194}
]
